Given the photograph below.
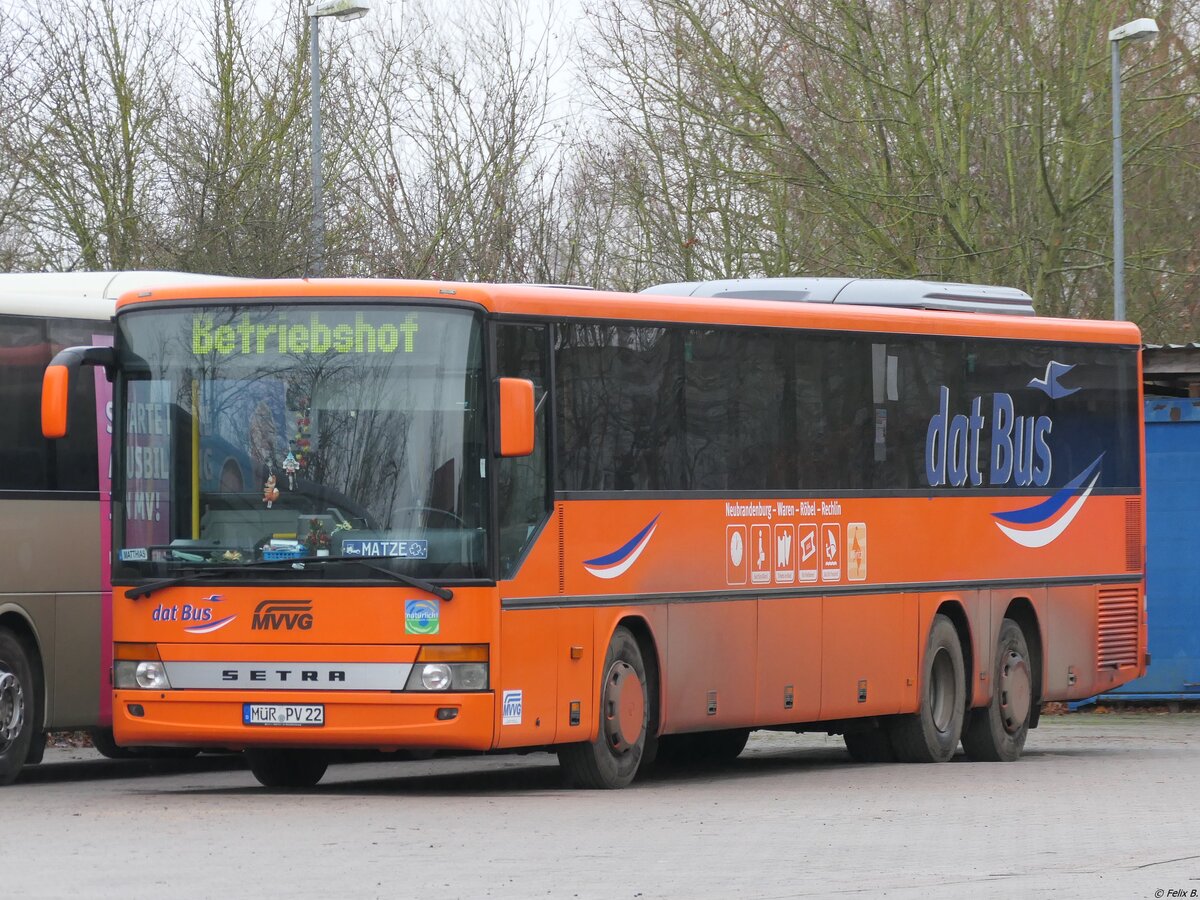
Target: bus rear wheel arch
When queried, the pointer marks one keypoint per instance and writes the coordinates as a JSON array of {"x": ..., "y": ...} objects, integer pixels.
[
  {"x": 17, "y": 706},
  {"x": 931, "y": 734},
  {"x": 626, "y": 713}
]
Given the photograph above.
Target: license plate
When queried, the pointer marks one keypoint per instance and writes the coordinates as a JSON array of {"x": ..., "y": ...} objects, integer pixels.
[{"x": 283, "y": 714}]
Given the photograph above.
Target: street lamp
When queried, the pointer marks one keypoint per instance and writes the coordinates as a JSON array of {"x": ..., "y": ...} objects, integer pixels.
[
  {"x": 1137, "y": 30},
  {"x": 346, "y": 10}
]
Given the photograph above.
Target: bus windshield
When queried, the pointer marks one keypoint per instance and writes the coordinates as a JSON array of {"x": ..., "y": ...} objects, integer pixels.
[{"x": 265, "y": 432}]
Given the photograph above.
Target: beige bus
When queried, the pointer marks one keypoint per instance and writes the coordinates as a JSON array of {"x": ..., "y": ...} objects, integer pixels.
[{"x": 55, "y": 599}]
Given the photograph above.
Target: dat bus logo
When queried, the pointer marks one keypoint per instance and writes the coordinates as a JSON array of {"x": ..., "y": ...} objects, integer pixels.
[{"x": 1018, "y": 450}]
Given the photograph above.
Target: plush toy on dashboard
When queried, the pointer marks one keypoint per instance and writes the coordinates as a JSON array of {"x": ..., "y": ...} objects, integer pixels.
[{"x": 270, "y": 492}]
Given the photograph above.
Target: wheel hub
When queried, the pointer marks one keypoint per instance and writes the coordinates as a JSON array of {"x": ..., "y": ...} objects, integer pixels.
[
  {"x": 12, "y": 708},
  {"x": 624, "y": 707},
  {"x": 941, "y": 690},
  {"x": 1016, "y": 691}
]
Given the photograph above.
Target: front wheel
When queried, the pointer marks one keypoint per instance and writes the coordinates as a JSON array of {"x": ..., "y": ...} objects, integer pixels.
[
  {"x": 16, "y": 706},
  {"x": 931, "y": 733},
  {"x": 997, "y": 732},
  {"x": 106, "y": 745},
  {"x": 613, "y": 758},
  {"x": 287, "y": 768}
]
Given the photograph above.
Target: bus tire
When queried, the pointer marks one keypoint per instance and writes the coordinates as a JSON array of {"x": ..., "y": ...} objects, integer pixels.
[
  {"x": 287, "y": 768},
  {"x": 719, "y": 747},
  {"x": 997, "y": 732},
  {"x": 870, "y": 745},
  {"x": 702, "y": 748},
  {"x": 106, "y": 745},
  {"x": 613, "y": 758},
  {"x": 17, "y": 727},
  {"x": 931, "y": 733}
]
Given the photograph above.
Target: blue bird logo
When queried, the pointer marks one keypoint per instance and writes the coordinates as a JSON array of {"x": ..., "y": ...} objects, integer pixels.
[{"x": 1049, "y": 385}]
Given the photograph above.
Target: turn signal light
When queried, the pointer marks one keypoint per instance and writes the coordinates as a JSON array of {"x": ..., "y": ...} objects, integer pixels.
[
  {"x": 136, "y": 651},
  {"x": 453, "y": 653}
]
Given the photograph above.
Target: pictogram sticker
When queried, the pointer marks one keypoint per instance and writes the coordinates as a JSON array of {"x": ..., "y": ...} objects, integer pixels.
[
  {"x": 856, "y": 551},
  {"x": 831, "y": 552},
  {"x": 760, "y": 554},
  {"x": 807, "y": 552},
  {"x": 785, "y": 554},
  {"x": 735, "y": 554}
]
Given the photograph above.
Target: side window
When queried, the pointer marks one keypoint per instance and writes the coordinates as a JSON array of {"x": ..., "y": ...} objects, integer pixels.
[
  {"x": 24, "y": 453},
  {"x": 74, "y": 458},
  {"x": 740, "y": 394},
  {"x": 622, "y": 424},
  {"x": 836, "y": 427},
  {"x": 523, "y": 483}
]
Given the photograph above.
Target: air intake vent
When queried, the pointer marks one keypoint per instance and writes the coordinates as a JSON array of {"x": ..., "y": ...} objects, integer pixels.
[
  {"x": 1133, "y": 535},
  {"x": 1117, "y": 628},
  {"x": 562, "y": 570}
]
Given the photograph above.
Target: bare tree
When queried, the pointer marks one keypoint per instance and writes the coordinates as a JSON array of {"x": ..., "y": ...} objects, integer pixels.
[
  {"x": 964, "y": 141},
  {"x": 99, "y": 84},
  {"x": 236, "y": 146},
  {"x": 448, "y": 160}
]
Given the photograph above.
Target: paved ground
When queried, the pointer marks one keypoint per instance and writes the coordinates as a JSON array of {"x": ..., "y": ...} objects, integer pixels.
[{"x": 1101, "y": 806}]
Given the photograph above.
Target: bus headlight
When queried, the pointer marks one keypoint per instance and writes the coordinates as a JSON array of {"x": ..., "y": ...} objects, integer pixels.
[
  {"x": 435, "y": 676},
  {"x": 450, "y": 667},
  {"x": 471, "y": 676},
  {"x": 147, "y": 675},
  {"x": 139, "y": 667}
]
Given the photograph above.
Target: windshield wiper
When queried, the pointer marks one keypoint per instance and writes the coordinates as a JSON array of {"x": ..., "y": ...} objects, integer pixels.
[
  {"x": 438, "y": 591},
  {"x": 145, "y": 590}
]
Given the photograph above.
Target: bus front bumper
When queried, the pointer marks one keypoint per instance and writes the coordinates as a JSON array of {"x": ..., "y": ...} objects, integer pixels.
[{"x": 349, "y": 720}]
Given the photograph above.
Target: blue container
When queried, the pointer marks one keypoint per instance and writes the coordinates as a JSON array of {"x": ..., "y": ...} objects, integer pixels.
[{"x": 1172, "y": 553}]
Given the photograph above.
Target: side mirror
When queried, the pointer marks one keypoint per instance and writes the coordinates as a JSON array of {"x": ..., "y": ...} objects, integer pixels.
[
  {"x": 56, "y": 384},
  {"x": 516, "y": 416}
]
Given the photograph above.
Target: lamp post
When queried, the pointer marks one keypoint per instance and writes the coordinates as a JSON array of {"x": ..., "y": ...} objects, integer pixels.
[
  {"x": 1137, "y": 30},
  {"x": 338, "y": 9}
]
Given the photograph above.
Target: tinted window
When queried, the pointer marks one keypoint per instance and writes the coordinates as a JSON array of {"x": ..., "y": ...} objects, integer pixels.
[
  {"x": 523, "y": 482},
  {"x": 24, "y": 453},
  {"x": 780, "y": 410},
  {"x": 75, "y": 467},
  {"x": 621, "y": 407}
]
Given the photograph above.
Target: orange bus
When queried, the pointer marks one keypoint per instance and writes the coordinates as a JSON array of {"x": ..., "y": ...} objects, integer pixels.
[{"x": 617, "y": 526}]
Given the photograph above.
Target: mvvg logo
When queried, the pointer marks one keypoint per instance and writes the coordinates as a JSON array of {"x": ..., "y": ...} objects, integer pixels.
[
  {"x": 511, "y": 708},
  {"x": 273, "y": 615}
]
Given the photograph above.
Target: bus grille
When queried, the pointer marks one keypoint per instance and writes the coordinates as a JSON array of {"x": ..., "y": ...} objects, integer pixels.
[
  {"x": 1133, "y": 535},
  {"x": 1117, "y": 628}
]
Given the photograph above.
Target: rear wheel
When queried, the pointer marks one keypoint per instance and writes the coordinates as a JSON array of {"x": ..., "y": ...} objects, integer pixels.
[
  {"x": 16, "y": 706},
  {"x": 931, "y": 734},
  {"x": 613, "y": 758},
  {"x": 722, "y": 746},
  {"x": 287, "y": 768},
  {"x": 702, "y": 748},
  {"x": 870, "y": 745},
  {"x": 997, "y": 732}
]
